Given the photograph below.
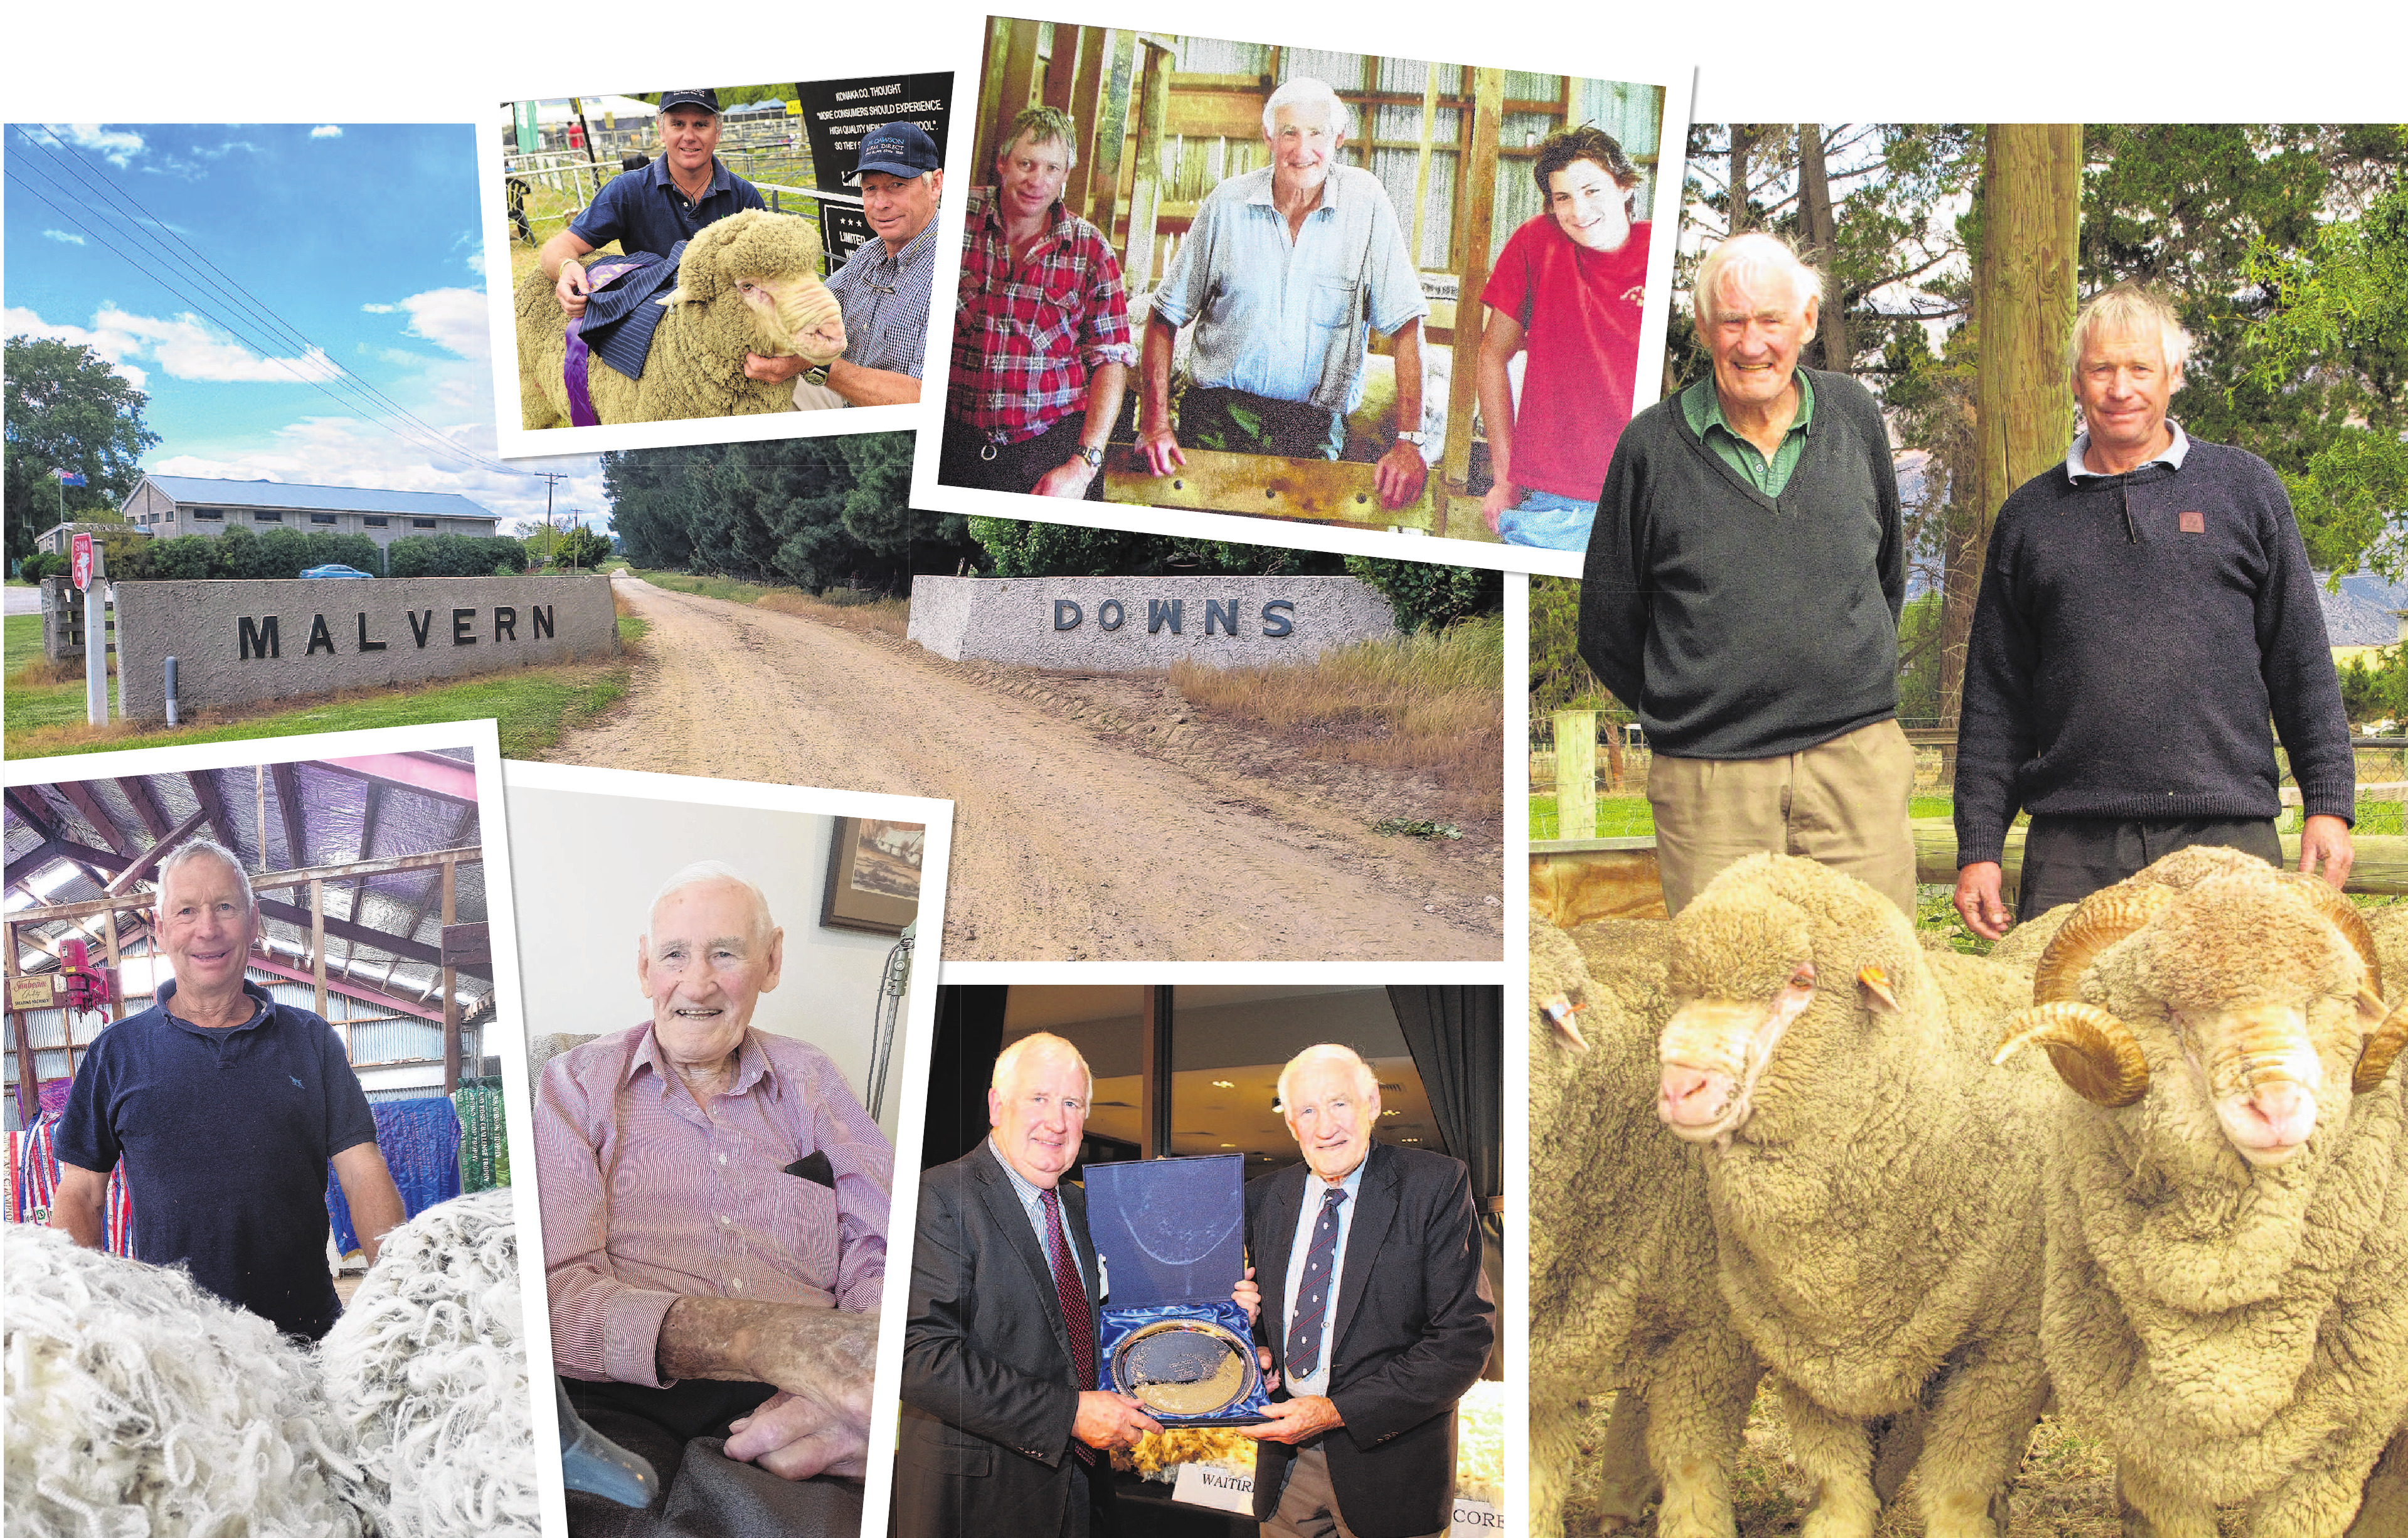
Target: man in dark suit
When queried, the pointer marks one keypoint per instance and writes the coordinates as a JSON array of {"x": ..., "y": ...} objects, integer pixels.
[
  {"x": 1380, "y": 1321},
  {"x": 1001, "y": 1434}
]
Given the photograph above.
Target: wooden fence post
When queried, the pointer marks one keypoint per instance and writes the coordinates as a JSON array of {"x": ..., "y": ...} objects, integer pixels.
[{"x": 1575, "y": 774}]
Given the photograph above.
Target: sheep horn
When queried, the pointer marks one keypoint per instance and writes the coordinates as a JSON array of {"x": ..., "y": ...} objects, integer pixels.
[
  {"x": 2382, "y": 1049},
  {"x": 2094, "y": 1052},
  {"x": 2103, "y": 918},
  {"x": 2345, "y": 916}
]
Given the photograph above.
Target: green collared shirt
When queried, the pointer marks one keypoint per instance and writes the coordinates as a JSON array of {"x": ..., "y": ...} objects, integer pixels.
[{"x": 1703, "y": 409}]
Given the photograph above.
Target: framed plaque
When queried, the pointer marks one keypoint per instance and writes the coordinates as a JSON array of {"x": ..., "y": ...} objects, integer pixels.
[{"x": 1172, "y": 1235}]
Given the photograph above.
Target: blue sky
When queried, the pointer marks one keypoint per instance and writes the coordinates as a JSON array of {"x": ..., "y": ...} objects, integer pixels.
[{"x": 363, "y": 238}]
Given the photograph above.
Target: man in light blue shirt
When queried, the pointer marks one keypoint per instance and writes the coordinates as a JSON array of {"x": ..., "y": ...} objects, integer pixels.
[{"x": 1284, "y": 273}]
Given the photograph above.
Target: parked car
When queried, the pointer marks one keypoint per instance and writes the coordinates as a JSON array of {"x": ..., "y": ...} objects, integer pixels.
[{"x": 337, "y": 570}]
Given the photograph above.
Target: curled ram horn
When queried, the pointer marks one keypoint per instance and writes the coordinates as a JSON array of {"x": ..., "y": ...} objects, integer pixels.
[
  {"x": 2342, "y": 915},
  {"x": 2094, "y": 1052},
  {"x": 2381, "y": 1051},
  {"x": 2103, "y": 918}
]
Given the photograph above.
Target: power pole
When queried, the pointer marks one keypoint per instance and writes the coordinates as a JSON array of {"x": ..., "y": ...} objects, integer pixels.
[{"x": 551, "y": 480}]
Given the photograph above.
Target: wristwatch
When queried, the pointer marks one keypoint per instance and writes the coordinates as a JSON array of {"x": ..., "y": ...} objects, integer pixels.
[
  {"x": 1419, "y": 440},
  {"x": 815, "y": 374},
  {"x": 1094, "y": 457}
]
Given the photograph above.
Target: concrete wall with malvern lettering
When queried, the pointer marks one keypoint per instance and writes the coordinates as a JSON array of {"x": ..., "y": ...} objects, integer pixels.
[
  {"x": 1109, "y": 624},
  {"x": 238, "y": 641}
]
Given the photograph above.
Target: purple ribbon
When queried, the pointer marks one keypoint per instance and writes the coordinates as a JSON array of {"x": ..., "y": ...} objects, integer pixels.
[{"x": 572, "y": 367}]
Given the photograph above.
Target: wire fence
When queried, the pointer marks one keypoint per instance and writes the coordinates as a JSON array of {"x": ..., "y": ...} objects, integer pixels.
[{"x": 1620, "y": 790}]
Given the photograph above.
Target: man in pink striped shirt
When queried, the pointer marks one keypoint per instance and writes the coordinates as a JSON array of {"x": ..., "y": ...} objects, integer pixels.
[{"x": 715, "y": 1204}]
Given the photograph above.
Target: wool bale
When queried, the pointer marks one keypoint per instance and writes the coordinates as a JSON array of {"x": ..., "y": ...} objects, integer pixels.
[
  {"x": 140, "y": 1404},
  {"x": 426, "y": 1373}
]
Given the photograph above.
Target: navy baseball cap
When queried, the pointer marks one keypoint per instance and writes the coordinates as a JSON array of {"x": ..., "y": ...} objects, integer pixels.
[
  {"x": 897, "y": 148},
  {"x": 690, "y": 98}
]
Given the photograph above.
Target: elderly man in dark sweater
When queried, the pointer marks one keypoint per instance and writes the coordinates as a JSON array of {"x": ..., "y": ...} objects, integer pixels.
[
  {"x": 1743, "y": 590},
  {"x": 2146, "y": 608}
]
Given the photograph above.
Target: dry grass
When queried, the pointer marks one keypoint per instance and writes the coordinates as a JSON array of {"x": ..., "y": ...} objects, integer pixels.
[
  {"x": 1431, "y": 705},
  {"x": 887, "y": 616},
  {"x": 41, "y": 673}
]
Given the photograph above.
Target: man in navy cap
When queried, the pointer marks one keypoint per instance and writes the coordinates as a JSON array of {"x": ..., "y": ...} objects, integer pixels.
[
  {"x": 883, "y": 288},
  {"x": 654, "y": 208}
]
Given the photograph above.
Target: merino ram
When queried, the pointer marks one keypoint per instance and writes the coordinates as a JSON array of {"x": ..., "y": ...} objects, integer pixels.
[
  {"x": 427, "y": 1370},
  {"x": 748, "y": 283},
  {"x": 2227, "y": 1279},
  {"x": 1622, "y": 1269},
  {"x": 138, "y": 1403},
  {"x": 1873, "y": 1182}
]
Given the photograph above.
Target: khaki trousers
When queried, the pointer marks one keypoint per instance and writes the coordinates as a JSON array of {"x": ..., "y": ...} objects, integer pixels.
[{"x": 1841, "y": 803}]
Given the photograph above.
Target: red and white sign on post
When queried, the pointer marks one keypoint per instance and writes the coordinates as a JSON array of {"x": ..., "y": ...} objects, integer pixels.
[{"x": 82, "y": 561}]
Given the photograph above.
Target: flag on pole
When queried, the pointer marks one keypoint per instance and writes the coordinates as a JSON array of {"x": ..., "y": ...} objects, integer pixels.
[{"x": 68, "y": 478}]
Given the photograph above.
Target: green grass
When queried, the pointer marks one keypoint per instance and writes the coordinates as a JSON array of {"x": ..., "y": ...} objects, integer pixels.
[
  {"x": 1630, "y": 817},
  {"x": 533, "y": 706},
  {"x": 713, "y": 587},
  {"x": 1617, "y": 817}
]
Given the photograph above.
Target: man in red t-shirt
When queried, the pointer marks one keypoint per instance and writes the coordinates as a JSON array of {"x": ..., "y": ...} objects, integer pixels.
[{"x": 1570, "y": 285}]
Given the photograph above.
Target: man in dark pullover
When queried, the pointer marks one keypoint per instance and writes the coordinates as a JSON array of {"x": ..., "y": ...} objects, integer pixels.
[
  {"x": 2146, "y": 607},
  {"x": 1742, "y": 594}
]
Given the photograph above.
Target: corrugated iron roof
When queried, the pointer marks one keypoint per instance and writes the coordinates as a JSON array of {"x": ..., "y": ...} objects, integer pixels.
[
  {"x": 63, "y": 839},
  {"x": 188, "y": 489}
]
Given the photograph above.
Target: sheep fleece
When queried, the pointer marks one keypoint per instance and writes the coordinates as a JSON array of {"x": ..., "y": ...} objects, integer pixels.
[
  {"x": 139, "y": 1404},
  {"x": 1622, "y": 1250},
  {"x": 2239, "y": 1337},
  {"x": 427, "y": 1372}
]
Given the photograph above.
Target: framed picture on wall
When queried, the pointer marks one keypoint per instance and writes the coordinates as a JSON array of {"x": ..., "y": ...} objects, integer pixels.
[{"x": 873, "y": 879}]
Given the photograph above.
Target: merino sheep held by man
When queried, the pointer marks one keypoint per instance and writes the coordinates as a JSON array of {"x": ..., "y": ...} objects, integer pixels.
[
  {"x": 748, "y": 283},
  {"x": 2227, "y": 1285}
]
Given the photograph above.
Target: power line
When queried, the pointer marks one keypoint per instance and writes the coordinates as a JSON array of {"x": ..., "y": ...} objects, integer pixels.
[
  {"x": 257, "y": 307},
  {"x": 363, "y": 397}
]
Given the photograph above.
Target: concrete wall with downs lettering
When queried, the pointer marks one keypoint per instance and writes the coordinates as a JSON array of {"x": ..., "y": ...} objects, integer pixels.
[
  {"x": 238, "y": 641},
  {"x": 1128, "y": 624}
]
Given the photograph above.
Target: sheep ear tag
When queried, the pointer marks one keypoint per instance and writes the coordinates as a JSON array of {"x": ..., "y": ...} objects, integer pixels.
[
  {"x": 1875, "y": 983},
  {"x": 1560, "y": 1011}
]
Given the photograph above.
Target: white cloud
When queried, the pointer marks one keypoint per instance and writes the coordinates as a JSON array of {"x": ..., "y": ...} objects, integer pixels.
[
  {"x": 189, "y": 350},
  {"x": 454, "y": 319},
  {"x": 63, "y": 235},
  {"x": 114, "y": 346},
  {"x": 118, "y": 146},
  {"x": 326, "y": 131}
]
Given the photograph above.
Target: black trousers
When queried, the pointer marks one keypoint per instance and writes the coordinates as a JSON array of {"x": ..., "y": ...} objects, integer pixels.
[
  {"x": 2068, "y": 858},
  {"x": 967, "y": 458},
  {"x": 680, "y": 1431}
]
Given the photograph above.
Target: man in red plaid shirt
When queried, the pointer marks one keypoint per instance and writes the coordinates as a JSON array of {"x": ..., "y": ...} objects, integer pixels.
[{"x": 1042, "y": 346}]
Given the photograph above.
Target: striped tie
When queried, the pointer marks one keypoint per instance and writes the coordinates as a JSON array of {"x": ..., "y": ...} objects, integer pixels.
[
  {"x": 1071, "y": 1294},
  {"x": 1313, "y": 1291}
]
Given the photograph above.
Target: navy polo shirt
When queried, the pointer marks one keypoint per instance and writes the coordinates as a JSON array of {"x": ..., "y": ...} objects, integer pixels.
[
  {"x": 225, "y": 1135},
  {"x": 643, "y": 209}
]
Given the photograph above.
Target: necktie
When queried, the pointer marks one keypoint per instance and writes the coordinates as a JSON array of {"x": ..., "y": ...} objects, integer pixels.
[
  {"x": 1071, "y": 1294},
  {"x": 1312, "y": 1290}
]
